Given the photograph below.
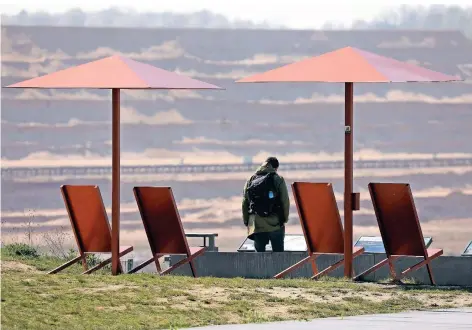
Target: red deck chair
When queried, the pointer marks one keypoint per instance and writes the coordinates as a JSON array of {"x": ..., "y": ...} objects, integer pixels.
[
  {"x": 90, "y": 225},
  {"x": 400, "y": 228},
  {"x": 321, "y": 224},
  {"x": 163, "y": 228}
]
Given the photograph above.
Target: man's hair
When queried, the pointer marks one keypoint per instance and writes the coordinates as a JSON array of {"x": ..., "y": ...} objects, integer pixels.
[{"x": 274, "y": 162}]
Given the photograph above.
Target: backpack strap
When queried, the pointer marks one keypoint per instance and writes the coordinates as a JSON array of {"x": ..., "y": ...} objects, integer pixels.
[
  {"x": 278, "y": 203},
  {"x": 251, "y": 179}
]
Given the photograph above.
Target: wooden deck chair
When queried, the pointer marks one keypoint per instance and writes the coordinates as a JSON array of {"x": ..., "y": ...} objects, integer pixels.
[
  {"x": 321, "y": 224},
  {"x": 400, "y": 228},
  {"x": 90, "y": 225},
  {"x": 163, "y": 228}
]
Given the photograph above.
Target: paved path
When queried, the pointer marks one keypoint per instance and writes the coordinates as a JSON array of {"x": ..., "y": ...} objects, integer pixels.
[{"x": 439, "y": 319}]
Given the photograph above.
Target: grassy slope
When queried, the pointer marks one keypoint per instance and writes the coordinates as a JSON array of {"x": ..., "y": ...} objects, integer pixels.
[{"x": 34, "y": 300}]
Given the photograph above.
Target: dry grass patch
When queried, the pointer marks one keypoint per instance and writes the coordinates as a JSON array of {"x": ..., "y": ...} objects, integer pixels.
[{"x": 33, "y": 300}]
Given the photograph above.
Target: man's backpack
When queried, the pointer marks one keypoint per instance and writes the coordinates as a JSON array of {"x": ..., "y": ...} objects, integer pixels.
[{"x": 262, "y": 194}]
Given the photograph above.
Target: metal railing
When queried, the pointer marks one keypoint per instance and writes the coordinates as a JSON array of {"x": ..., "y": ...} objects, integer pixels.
[{"x": 27, "y": 172}]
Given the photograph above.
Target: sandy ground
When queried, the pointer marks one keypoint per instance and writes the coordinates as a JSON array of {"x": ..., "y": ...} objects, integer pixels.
[
  {"x": 218, "y": 294},
  {"x": 15, "y": 266}
]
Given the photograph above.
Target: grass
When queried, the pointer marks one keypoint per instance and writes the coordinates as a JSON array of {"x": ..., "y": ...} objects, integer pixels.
[{"x": 34, "y": 300}]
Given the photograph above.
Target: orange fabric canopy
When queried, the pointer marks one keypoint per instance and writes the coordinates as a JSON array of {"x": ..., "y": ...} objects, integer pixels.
[
  {"x": 349, "y": 64},
  {"x": 114, "y": 72}
]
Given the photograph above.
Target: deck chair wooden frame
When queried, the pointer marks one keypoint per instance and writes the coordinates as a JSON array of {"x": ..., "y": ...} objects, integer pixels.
[
  {"x": 321, "y": 224},
  {"x": 89, "y": 221},
  {"x": 163, "y": 228},
  {"x": 400, "y": 229}
]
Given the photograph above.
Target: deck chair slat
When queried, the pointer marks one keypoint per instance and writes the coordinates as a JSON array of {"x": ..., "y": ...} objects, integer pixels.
[
  {"x": 163, "y": 226},
  {"x": 400, "y": 229},
  {"x": 161, "y": 220},
  {"x": 321, "y": 224},
  {"x": 319, "y": 216},
  {"x": 86, "y": 210},
  {"x": 397, "y": 218},
  {"x": 89, "y": 221}
]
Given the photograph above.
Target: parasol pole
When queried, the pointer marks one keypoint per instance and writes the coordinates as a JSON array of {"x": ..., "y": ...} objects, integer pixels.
[
  {"x": 348, "y": 178},
  {"x": 115, "y": 195}
]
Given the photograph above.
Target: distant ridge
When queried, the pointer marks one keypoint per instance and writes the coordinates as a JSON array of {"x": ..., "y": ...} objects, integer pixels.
[
  {"x": 407, "y": 17},
  {"x": 116, "y": 17}
]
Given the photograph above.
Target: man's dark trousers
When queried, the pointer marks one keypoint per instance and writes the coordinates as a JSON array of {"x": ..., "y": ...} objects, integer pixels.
[{"x": 276, "y": 240}]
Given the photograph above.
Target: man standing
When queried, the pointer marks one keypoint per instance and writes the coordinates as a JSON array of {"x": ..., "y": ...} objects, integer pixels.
[{"x": 266, "y": 207}]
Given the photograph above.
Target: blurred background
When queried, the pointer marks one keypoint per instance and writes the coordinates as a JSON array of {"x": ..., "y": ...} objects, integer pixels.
[{"x": 220, "y": 42}]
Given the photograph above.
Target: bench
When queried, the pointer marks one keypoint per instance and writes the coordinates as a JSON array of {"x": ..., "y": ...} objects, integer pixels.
[{"x": 211, "y": 240}]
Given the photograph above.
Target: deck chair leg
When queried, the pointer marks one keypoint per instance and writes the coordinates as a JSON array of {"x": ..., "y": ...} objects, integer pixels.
[
  {"x": 189, "y": 259},
  {"x": 328, "y": 269},
  {"x": 419, "y": 265},
  {"x": 120, "y": 268},
  {"x": 426, "y": 262},
  {"x": 84, "y": 262},
  {"x": 391, "y": 267},
  {"x": 314, "y": 267},
  {"x": 335, "y": 265},
  {"x": 158, "y": 264},
  {"x": 297, "y": 265},
  {"x": 141, "y": 266},
  {"x": 192, "y": 267},
  {"x": 64, "y": 266},
  {"x": 371, "y": 269},
  {"x": 97, "y": 267},
  {"x": 147, "y": 262},
  {"x": 376, "y": 267},
  {"x": 107, "y": 261},
  {"x": 430, "y": 273}
]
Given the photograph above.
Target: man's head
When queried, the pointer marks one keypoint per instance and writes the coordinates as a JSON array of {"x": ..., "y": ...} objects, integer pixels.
[{"x": 274, "y": 162}]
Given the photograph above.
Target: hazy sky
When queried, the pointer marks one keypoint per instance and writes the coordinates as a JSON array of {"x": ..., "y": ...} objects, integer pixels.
[{"x": 292, "y": 13}]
